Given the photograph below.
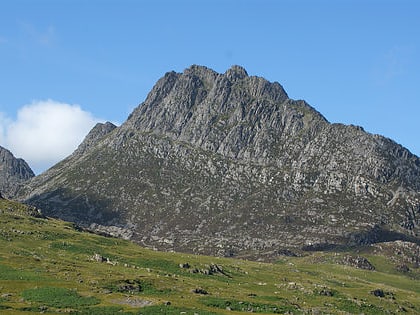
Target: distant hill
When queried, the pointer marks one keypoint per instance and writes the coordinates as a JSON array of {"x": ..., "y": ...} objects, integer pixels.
[
  {"x": 13, "y": 172},
  {"x": 227, "y": 164}
]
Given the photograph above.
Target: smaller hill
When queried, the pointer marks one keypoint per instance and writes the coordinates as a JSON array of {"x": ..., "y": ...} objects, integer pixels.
[{"x": 13, "y": 172}]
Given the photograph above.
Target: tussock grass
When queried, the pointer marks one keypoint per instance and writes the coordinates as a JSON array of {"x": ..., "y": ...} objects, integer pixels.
[{"x": 58, "y": 297}]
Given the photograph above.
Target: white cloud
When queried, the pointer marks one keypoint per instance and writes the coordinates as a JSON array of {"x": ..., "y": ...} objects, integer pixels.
[{"x": 45, "y": 132}]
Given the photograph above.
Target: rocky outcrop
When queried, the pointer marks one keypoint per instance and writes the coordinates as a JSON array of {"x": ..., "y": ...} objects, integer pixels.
[
  {"x": 357, "y": 262},
  {"x": 228, "y": 164},
  {"x": 400, "y": 253},
  {"x": 99, "y": 131},
  {"x": 13, "y": 172}
]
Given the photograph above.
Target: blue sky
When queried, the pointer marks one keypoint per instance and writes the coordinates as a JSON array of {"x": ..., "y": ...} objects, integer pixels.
[{"x": 64, "y": 65}]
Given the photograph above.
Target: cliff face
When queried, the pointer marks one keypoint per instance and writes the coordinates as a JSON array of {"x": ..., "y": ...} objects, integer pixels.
[
  {"x": 13, "y": 172},
  {"x": 227, "y": 164}
]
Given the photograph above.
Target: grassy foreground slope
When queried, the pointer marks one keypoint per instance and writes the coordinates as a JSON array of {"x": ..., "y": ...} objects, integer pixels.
[{"x": 49, "y": 266}]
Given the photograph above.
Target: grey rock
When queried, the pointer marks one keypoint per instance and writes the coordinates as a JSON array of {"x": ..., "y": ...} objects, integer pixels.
[
  {"x": 382, "y": 294},
  {"x": 98, "y": 258},
  {"x": 99, "y": 131},
  {"x": 184, "y": 266},
  {"x": 403, "y": 268},
  {"x": 228, "y": 163},
  {"x": 13, "y": 172},
  {"x": 357, "y": 262},
  {"x": 200, "y": 291}
]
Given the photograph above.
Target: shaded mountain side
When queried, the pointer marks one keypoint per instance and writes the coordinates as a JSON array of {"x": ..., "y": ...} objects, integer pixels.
[
  {"x": 13, "y": 172},
  {"x": 227, "y": 164}
]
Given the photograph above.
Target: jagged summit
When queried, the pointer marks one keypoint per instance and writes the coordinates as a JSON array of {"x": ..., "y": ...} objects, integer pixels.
[
  {"x": 236, "y": 73},
  {"x": 98, "y": 132},
  {"x": 201, "y": 71},
  {"x": 227, "y": 164},
  {"x": 226, "y": 113},
  {"x": 233, "y": 73}
]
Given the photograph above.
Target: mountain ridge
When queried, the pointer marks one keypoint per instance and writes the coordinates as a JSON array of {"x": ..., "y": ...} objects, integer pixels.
[{"x": 228, "y": 164}]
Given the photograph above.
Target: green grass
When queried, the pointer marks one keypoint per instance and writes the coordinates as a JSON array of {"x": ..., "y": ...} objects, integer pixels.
[
  {"x": 354, "y": 307},
  {"x": 248, "y": 306},
  {"x": 9, "y": 273},
  {"x": 58, "y": 297},
  {"x": 135, "y": 287},
  {"x": 47, "y": 265},
  {"x": 104, "y": 310},
  {"x": 171, "y": 310}
]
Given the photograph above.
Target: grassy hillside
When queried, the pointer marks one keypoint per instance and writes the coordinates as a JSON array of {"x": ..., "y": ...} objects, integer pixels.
[{"x": 49, "y": 266}]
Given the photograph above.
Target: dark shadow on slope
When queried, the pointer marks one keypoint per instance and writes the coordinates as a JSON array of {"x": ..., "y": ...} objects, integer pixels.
[
  {"x": 377, "y": 234},
  {"x": 79, "y": 208}
]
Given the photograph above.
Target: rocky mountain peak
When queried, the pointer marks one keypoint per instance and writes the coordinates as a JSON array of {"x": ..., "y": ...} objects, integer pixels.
[
  {"x": 97, "y": 133},
  {"x": 227, "y": 113},
  {"x": 13, "y": 172},
  {"x": 227, "y": 163},
  {"x": 200, "y": 71},
  {"x": 236, "y": 73}
]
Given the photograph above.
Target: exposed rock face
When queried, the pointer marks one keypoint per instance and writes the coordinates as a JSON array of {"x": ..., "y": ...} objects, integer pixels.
[
  {"x": 227, "y": 164},
  {"x": 98, "y": 132},
  {"x": 13, "y": 172},
  {"x": 357, "y": 262}
]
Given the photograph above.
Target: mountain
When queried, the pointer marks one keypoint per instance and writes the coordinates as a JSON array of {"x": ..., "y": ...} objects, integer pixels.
[
  {"x": 13, "y": 172},
  {"x": 227, "y": 164},
  {"x": 53, "y": 267}
]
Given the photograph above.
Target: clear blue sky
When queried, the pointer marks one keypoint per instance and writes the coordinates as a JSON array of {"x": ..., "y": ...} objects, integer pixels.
[{"x": 357, "y": 62}]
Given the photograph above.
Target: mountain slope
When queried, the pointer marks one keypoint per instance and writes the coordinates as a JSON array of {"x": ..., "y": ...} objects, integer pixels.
[
  {"x": 13, "y": 172},
  {"x": 227, "y": 164}
]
